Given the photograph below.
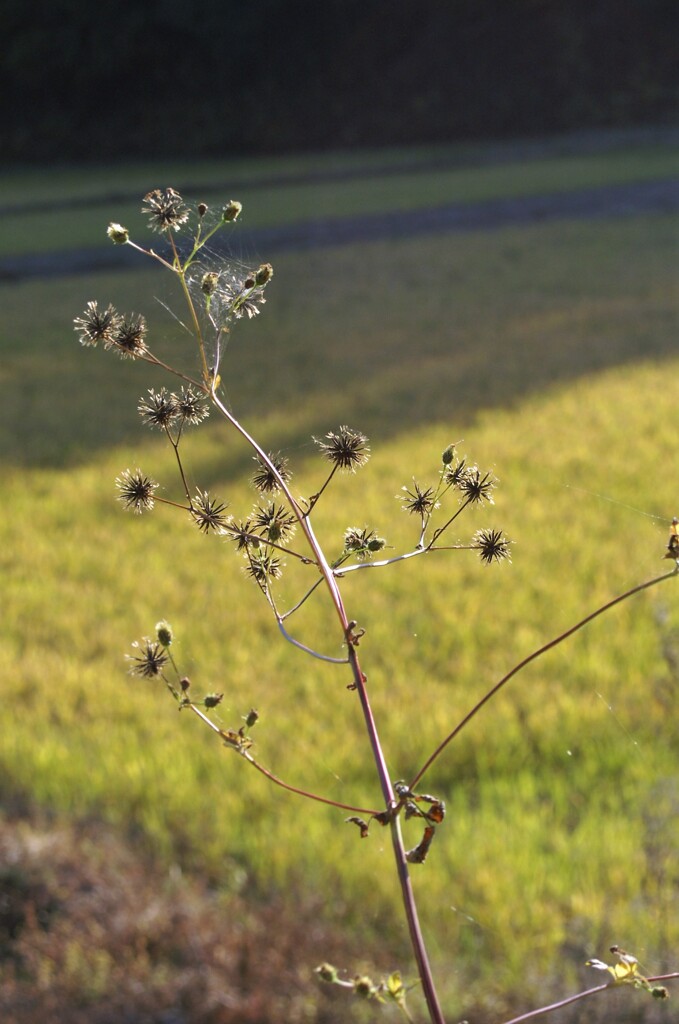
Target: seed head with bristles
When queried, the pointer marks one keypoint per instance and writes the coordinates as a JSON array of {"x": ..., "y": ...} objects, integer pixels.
[
  {"x": 97, "y": 325},
  {"x": 136, "y": 490},
  {"x": 208, "y": 513},
  {"x": 150, "y": 660},
  {"x": 345, "y": 448},
  {"x": 265, "y": 479},
  {"x": 492, "y": 546},
  {"x": 159, "y": 409},
  {"x": 128, "y": 339},
  {"x": 165, "y": 209}
]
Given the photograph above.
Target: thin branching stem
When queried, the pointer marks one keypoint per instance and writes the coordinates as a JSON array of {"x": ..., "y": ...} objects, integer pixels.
[
  {"x": 532, "y": 657},
  {"x": 313, "y": 500},
  {"x": 370, "y": 812},
  {"x": 308, "y": 650},
  {"x": 296, "y": 607},
  {"x": 437, "y": 533},
  {"x": 407, "y": 894},
  {"x": 152, "y": 254},
  {"x": 401, "y": 558},
  {"x": 175, "y": 445},
  {"x": 198, "y": 333},
  {"x": 544, "y": 1010},
  {"x": 257, "y": 538},
  {"x": 417, "y": 940},
  {"x": 275, "y": 779}
]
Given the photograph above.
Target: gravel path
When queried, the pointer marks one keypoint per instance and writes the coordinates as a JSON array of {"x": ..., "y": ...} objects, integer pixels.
[{"x": 611, "y": 201}]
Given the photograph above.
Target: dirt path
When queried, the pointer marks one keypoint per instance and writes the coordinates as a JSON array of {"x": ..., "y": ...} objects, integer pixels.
[{"x": 611, "y": 201}]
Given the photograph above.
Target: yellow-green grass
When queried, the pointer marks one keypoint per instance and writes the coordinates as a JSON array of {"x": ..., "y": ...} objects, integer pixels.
[
  {"x": 549, "y": 350},
  {"x": 43, "y": 231}
]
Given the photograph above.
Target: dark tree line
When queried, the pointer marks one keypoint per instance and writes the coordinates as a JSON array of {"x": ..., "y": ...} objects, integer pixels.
[{"x": 208, "y": 77}]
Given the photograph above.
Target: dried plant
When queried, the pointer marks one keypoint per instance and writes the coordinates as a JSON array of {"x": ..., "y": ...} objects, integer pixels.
[{"x": 279, "y": 530}]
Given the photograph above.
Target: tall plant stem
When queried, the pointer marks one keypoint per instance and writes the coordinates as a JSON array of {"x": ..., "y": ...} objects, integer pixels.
[
  {"x": 359, "y": 683},
  {"x": 532, "y": 657}
]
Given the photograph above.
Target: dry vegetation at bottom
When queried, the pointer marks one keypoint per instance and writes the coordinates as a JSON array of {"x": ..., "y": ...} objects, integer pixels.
[{"x": 93, "y": 932}]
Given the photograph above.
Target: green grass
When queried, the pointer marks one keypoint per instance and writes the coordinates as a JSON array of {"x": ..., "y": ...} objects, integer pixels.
[
  {"x": 286, "y": 204},
  {"x": 549, "y": 350}
]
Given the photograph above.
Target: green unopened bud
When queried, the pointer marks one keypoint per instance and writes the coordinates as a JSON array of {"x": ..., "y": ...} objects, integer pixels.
[
  {"x": 363, "y": 987},
  {"x": 264, "y": 274},
  {"x": 326, "y": 972},
  {"x": 213, "y": 699},
  {"x": 208, "y": 283},
  {"x": 164, "y": 633},
  {"x": 448, "y": 455},
  {"x": 231, "y": 211},
  {"x": 251, "y": 717},
  {"x": 202, "y": 209},
  {"x": 117, "y": 233}
]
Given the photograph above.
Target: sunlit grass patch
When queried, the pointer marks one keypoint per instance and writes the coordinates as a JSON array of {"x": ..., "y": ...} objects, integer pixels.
[{"x": 560, "y": 835}]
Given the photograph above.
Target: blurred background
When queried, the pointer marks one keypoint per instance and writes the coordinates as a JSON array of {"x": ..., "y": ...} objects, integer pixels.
[
  {"x": 162, "y": 78},
  {"x": 471, "y": 209}
]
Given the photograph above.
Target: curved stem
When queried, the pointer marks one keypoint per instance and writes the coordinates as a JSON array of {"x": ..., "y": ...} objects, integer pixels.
[
  {"x": 308, "y": 650},
  {"x": 532, "y": 657},
  {"x": 532, "y": 1014},
  {"x": 557, "y": 1006},
  {"x": 303, "y": 792},
  {"x": 416, "y": 938},
  {"x": 279, "y": 782},
  {"x": 175, "y": 446},
  {"x": 407, "y": 895}
]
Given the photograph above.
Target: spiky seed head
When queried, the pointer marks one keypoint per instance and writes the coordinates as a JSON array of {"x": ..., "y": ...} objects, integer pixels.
[
  {"x": 159, "y": 409},
  {"x": 136, "y": 491},
  {"x": 165, "y": 209},
  {"x": 150, "y": 660},
  {"x": 477, "y": 489},
  {"x": 266, "y": 477},
  {"x": 345, "y": 448},
  {"x": 129, "y": 337},
  {"x": 97, "y": 325},
  {"x": 492, "y": 546},
  {"x": 208, "y": 513},
  {"x": 191, "y": 407}
]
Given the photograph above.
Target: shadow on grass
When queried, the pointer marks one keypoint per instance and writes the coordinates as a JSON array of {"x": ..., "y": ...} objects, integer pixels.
[{"x": 385, "y": 337}]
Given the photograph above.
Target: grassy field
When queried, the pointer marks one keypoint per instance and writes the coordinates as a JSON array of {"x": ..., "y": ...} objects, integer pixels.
[
  {"x": 267, "y": 203},
  {"x": 551, "y": 351}
]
